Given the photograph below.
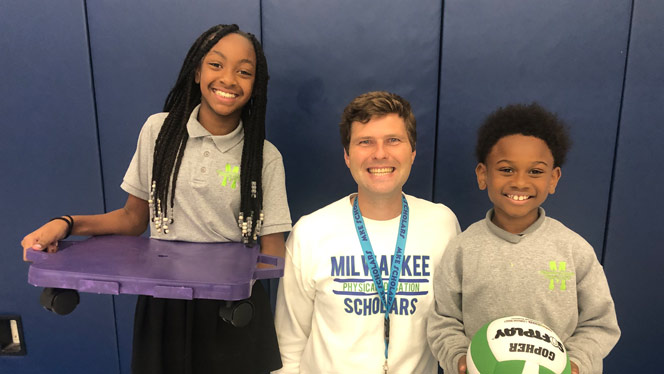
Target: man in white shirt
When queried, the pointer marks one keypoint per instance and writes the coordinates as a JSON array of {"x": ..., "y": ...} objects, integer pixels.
[{"x": 370, "y": 251}]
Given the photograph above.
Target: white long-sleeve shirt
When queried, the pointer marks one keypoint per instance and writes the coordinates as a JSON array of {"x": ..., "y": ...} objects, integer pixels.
[{"x": 329, "y": 318}]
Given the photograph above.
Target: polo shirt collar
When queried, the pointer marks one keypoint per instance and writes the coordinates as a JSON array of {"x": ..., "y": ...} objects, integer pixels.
[{"x": 223, "y": 142}]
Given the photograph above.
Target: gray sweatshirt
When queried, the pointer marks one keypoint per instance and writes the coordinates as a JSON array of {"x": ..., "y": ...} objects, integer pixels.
[{"x": 547, "y": 273}]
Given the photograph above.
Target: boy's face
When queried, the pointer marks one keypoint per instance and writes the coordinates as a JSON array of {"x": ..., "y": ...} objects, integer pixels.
[
  {"x": 519, "y": 175},
  {"x": 380, "y": 156}
]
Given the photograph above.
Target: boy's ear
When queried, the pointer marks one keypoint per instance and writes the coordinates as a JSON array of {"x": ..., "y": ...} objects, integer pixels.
[
  {"x": 346, "y": 158},
  {"x": 480, "y": 171},
  {"x": 556, "y": 173}
]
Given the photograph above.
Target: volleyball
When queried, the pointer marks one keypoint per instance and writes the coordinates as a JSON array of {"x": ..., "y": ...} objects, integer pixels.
[{"x": 516, "y": 345}]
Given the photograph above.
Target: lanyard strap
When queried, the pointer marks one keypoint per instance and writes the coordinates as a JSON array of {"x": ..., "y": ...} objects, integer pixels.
[{"x": 372, "y": 261}]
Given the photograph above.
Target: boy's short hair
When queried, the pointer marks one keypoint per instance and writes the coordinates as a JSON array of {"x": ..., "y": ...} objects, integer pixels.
[
  {"x": 529, "y": 120},
  {"x": 376, "y": 104}
]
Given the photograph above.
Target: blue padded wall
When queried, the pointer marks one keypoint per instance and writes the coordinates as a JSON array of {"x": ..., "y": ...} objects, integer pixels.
[
  {"x": 137, "y": 50},
  {"x": 50, "y": 166},
  {"x": 323, "y": 54},
  {"x": 567, "y": 55},
  {"x": 570, "y": 56},
  {"x": 633, "y": 260}
]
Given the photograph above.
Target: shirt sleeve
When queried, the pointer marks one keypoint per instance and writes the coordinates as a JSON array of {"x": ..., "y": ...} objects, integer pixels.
[
  {"x": 597, "y": 330},
  {"x": 445, "y": 329},
  {"x": 295, "y": 303},
  {"x": 275, "y": 202},
  {"x": 137, "y": 178}
]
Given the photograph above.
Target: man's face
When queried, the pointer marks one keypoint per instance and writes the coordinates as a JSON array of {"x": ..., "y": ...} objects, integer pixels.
[{"x": 380, "y": 156}]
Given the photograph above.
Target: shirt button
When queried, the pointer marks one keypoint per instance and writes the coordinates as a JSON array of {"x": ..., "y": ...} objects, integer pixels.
[
  {"x": 203, "y": 170},
  {"x": 206, "y": 153}
]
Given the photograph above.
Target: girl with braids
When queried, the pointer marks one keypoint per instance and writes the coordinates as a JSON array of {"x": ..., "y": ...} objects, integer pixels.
[{"x": 202, "y": 172}]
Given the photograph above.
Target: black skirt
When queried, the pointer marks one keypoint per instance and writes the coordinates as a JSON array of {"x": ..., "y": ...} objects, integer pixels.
[{"x": 189, "y": 337}]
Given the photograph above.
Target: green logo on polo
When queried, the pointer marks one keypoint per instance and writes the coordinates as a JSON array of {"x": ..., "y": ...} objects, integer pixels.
[
  {"x": 229, "y": 176},
  {"x": 557, "y": 274}
]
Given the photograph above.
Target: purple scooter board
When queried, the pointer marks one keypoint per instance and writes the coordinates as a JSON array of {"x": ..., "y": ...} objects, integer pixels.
[{"x": 140, "y": 266}]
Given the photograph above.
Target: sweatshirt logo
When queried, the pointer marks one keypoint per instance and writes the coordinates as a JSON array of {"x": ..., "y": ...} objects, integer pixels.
[
  {"x": 557, "y": 275},
  {"x": 353, "y": 283},
  {"x": 229, "y": 176}
]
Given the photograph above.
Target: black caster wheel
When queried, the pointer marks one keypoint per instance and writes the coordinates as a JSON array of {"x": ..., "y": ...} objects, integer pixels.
[
  {"x": 59, "y": 301},
  {"x": 237, "y": 313}
]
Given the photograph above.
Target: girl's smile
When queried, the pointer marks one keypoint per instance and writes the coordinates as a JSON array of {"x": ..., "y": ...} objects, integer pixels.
[{"x": 224, "y": 94}]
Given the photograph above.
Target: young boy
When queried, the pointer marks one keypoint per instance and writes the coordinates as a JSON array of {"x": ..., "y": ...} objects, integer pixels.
[{"x": 517, "y": 261}]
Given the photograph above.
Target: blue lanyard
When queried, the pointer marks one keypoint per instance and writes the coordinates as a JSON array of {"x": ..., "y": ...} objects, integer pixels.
[{"x": 372, "y": 262}]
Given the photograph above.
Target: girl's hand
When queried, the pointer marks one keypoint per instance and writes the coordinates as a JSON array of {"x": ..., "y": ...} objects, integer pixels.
[
  {"x": 462, "y": 365},
  {"x": 274, "y": 245},
  {"x": 45, "y": 237}
]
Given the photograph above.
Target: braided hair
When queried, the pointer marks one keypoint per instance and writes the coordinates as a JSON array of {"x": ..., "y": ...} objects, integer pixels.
[{"x": 172, "y": 139}]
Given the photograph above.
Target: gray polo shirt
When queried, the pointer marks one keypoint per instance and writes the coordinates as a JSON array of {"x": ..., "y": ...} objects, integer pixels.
[{"x": 207, "y": 195}]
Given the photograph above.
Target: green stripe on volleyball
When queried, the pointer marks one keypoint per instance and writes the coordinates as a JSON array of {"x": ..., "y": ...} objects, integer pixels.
[{"x": 516, "y": 345}]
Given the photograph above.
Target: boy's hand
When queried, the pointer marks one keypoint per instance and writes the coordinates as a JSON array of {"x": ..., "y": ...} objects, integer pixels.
[
  {"x": 45, "y": 237},
  {"x": 575, "y": 369},
  {"x": 462, "y": 365}
]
